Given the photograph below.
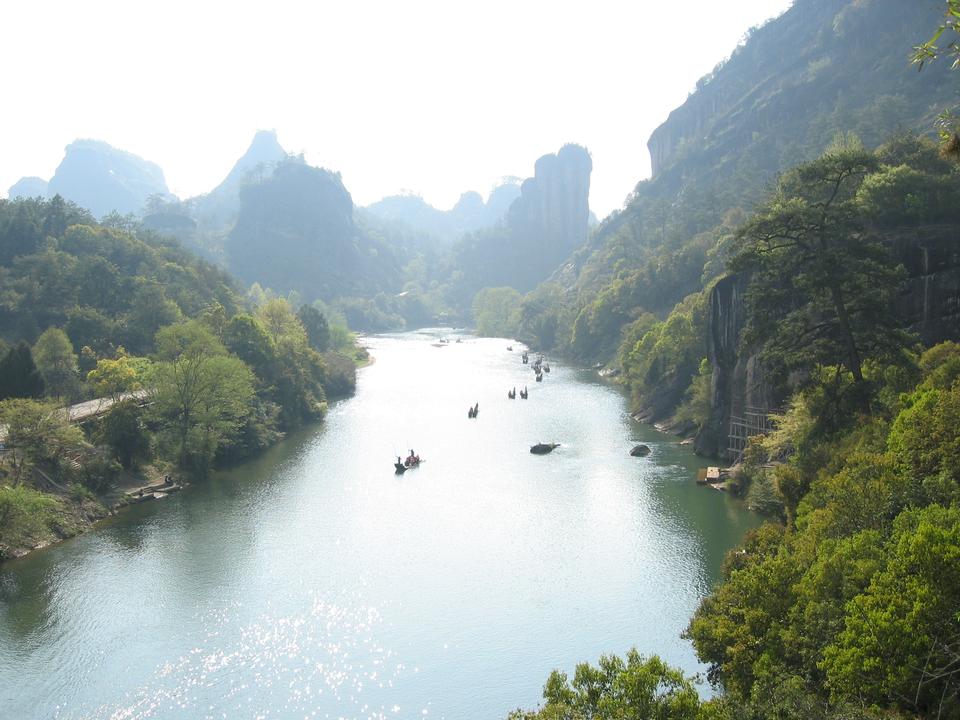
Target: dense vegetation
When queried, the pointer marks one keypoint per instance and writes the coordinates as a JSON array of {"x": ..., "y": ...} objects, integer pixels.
[
  {"x": 636, "y": 295},
  {"x": 198, "y": 377},
  {"x": 846, "y": 604}
]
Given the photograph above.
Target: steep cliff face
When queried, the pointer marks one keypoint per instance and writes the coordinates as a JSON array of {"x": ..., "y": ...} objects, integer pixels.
[
  {"x": 219, "y": 208},
  {"x": 929, "y": 307},
  {"x": 553, "y": 207},
  {"x": 931, "y": 297},
  {"x": 295, "y": 232},
  {"x": 544, "y": 225},
  {"x": 101, "y": 178},
  {"x": 739, "y": 382},
  {"x": 822, "y": 63}
]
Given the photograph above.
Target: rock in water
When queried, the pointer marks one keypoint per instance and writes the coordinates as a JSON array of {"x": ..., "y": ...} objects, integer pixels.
[{"x": 640, "y": 451}]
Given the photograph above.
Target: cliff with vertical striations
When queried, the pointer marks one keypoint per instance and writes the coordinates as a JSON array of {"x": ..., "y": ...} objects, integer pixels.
[{"x": 930, "y": 307}]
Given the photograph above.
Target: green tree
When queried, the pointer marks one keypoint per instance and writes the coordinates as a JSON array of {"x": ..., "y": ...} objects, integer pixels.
[
  {"x": 25, "y": 515},
  {"x": 901, "y": 641},
  {"x": 202, "y": 394},
  {"x": 821, "y": 289},
  {"x": 39, "y": 433},
  {"x": 57, "y": 363},
  {"x": 19, "y": 376},
  {"x": 150, "y": 310},
  {"x": 280, "y": 322},
  {"x": 114, "y": 377},
  {"x": 617, "y": 689},
  {"x": 316, "y": 326},
  {"x": 929, "y": 50},
  {"x": 496, "y": 312},
  {"x": 123, "y": 431},
  {"x": 246, "y": 338}
]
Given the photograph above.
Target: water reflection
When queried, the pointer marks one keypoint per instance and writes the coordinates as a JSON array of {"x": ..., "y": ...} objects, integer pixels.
[{"x": 315, "y": 582}]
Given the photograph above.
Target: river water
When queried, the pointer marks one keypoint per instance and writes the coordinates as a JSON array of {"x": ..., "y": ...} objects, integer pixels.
[{"x": 314, "y": 582}]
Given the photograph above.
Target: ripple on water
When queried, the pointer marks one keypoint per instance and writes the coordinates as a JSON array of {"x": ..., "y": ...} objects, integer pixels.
[{"x": 324, "y": 661}]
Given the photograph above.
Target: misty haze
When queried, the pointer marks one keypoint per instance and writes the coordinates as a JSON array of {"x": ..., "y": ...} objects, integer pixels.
[{"x": 523, "y": 361}]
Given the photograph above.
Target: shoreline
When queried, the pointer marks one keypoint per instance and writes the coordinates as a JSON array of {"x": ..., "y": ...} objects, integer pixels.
[{"x": 74, "y": 517}]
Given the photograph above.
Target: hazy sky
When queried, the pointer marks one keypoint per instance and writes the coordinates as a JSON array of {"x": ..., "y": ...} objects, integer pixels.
[{"x": 432, "y": 97}]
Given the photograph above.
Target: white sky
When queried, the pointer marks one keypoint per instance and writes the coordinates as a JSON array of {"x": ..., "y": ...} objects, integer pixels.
[{"x": 436, "y": 97}]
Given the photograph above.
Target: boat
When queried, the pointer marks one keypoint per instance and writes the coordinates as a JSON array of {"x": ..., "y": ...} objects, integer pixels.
[
  {"x": 544, "y": 448},
  {"x": 539, "y": 377},
  {"x": 510, "y": 348},
  {"x": 524, "y": 393},
  {"x": 512, "y": 394},
  {"x": 399, "y": 468}
]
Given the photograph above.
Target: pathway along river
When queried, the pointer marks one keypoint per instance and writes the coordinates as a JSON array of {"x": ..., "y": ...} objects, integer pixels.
[{"x": 313, "y": 582}]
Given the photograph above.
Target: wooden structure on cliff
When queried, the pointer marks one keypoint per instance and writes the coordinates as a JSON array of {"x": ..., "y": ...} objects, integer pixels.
[{"x": 754, "y": 421}]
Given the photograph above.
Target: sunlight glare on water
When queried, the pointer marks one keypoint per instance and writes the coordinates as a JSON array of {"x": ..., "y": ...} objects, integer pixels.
[{"x": 314, "y": 582}]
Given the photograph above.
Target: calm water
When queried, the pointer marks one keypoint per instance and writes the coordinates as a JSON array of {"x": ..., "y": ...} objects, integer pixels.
[{"x": 314, "y": 582}]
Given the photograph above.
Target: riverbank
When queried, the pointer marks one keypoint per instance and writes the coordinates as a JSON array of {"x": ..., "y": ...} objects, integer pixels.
[
  {"x": 32, "y": 519},
  {"x": 47, "y": 508},
  {"x": 312, "y": 566}
]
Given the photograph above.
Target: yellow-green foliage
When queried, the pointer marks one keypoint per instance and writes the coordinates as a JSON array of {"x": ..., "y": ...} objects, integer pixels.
[
  {"x": 634, "y": 687},
  {"x": 25, "y": 515},
  {"x": 668, "y": 355},
  {"x": 859, "y": 599},
  {"x": 496, "y": 312}
]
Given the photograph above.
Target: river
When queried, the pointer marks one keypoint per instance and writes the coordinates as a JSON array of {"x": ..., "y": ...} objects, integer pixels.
[{"x": 314, "y": 582}]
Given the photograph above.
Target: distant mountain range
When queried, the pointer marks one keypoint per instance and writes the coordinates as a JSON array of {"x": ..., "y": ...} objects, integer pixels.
[
  {"x": 100, "y": 178},
  {"x": 470, "y": 213},
  {"x": 291, "y": 227}
]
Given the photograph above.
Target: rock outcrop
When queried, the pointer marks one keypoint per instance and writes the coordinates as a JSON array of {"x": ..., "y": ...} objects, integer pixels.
[
  {"x": 821, "y": 56},
  {"x": 553, "y": 208},
  {"x": 101, "y": 178},
  {"x": 28, "y": 187},
  {"x": 296, "y": 232},
  {"x": 219, "y": 208},
  {"x": 929, "y": 307}
]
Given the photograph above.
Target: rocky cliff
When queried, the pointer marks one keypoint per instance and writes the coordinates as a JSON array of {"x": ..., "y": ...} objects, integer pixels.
[
  {"x": 929, "y": 307},
  {"x": 28, "y": 187},
  {"x": 553, "y": 207},
  {"x": 816, "y": 69},
  {"x": 101, "y": 178},
  {"x": 219, "y": 208},
  {"x": 541, "y": 229},
  {"x": 296, "y": 232}
]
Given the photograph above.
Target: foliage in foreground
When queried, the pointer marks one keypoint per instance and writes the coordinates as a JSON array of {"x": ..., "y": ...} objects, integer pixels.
[
  {"x": 25, "y": 515},
  {"x": 633, "y": 688},
  {"x": 857, "y": 598}
]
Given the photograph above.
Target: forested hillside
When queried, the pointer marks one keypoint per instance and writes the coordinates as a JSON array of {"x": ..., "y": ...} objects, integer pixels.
[
  {"x": 823, "y": 74},
  {"x": 835, "y": 289},
  {"x": 296, "y": 232},
  {"x": 197, "y": 377}
]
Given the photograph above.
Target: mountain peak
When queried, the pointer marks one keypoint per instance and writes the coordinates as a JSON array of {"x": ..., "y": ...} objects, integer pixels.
[
  {"x": 102, "y": 178},
  {"x": 264, "y": 149}
]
